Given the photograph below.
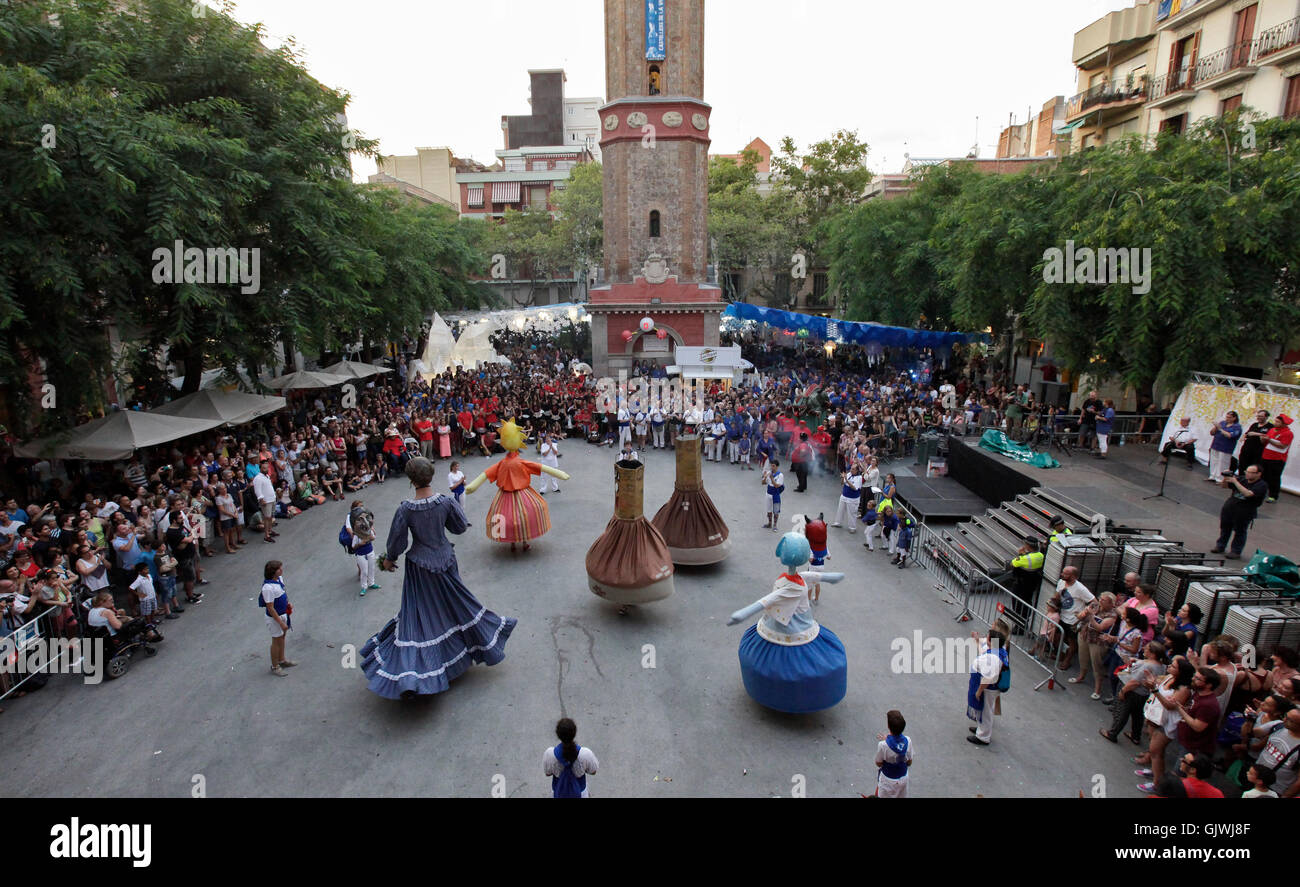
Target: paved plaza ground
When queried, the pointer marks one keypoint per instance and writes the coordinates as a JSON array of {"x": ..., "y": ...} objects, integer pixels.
[{"x": 207, "y": 706}]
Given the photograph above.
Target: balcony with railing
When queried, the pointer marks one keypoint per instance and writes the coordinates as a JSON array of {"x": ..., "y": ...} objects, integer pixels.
[
  {"x": 1278, "y": 44},
  {"x": 1167, "y": 87},
  {"x": 1226, "y": 65},
  {"x": 1107, "y": 95},
  {"x": 1273, "y": 46}
]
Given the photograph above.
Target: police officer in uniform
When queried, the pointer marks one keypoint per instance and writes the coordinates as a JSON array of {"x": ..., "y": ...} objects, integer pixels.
[
  {"x": 1058, "y": 529},
  {"x": 1026, "y": 577}
]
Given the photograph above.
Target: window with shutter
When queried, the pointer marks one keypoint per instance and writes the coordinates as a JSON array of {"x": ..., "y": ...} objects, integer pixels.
[{"x": 1292, "y": 108}]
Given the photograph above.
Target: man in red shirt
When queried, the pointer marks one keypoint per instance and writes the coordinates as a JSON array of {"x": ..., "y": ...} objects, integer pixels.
[
  {"x": 465, "y": 419},
  {"x": 1196, "y": 770},
  {"x": 1277, "y": 446},
  {"x": 1200, "y": 724},
  {"x": 822, "y": 443},
  {"x": 424, "y": 428}
]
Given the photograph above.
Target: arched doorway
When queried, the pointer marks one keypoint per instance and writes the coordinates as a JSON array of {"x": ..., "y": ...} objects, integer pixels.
[{"x": 649, "y": 348}]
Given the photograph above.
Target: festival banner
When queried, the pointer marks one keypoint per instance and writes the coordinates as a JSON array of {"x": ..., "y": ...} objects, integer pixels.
[{"x": 656, "y": 38}]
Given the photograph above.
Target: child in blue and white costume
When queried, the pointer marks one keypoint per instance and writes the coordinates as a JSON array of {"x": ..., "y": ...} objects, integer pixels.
[
  {"x": 363, "y": 548},
  {"x": 774, "y": 481},
  {"x": 893, "y": 758},
  {"x": 456, "y": 485},
  {"x": 788, "y": 661},
  {"x": 274, "y": 602},
  {"x": 903, "y": 540}
]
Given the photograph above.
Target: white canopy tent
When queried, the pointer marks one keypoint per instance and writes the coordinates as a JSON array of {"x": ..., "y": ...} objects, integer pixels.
[
  {"x": 226, "y": 407},
  {"x": 116, "y": 436},
  {"x": 473, "y": 346},
  {"x": 545, "y": 318},
  {"x": 437, "y": 353}
]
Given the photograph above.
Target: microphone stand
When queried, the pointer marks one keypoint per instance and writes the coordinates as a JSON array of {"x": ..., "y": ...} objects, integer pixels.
[{"x": 1161, "y": 495}]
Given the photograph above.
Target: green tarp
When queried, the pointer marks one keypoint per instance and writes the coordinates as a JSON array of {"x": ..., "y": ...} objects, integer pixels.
[
  {"x": 1274, "y": 571},
  {"x": 998, "y": 442}
]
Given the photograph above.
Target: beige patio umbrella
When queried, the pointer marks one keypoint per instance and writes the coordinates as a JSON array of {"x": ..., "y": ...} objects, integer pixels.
[
  {"x": 227, "y": 407},
  {"x": 354, "y": 369},
  {"x": 316, "y": 379},
  {"x": 116, "y": 436}
]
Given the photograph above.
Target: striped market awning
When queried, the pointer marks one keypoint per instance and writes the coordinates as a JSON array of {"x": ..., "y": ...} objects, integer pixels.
[
  {"x": 476, "y": 196},
  {"x": 505, "y": 192}
]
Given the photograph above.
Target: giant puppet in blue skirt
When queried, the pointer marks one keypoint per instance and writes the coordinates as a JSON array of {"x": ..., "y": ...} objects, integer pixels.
[
  {"x": 788, "y": 661},
  {"x": 441, "y": 628}
]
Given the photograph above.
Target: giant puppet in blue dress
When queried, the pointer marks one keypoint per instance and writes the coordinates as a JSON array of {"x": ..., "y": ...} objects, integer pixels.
[
  {"x": 441, "y": 629},
  {"x": 787, "y": 660}
]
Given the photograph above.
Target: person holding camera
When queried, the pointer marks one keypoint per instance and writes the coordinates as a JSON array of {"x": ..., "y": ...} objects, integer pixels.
[{"x": 1248, "y": 491}]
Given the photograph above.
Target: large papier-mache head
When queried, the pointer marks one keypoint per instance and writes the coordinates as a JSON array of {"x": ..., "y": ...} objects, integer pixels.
[
  {"x": 512, "y": 437},
  {"x": 793, "y": 549}
]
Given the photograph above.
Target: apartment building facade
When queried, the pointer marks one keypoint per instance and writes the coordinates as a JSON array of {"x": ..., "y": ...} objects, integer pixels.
[
  {"x": 1115, "y": 60},
  {"x": 582, "y": 124},
  {"x": 428, "y": 175},
  {"x": 1165, "y": 65},
  {"x": 1041, "y": 135},
  {"x": 1219, "y": 55},
  {"x": 527, "y": 179}
]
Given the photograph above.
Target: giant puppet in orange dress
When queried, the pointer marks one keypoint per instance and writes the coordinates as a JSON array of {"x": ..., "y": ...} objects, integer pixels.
[{"x": 517, "y": 513}]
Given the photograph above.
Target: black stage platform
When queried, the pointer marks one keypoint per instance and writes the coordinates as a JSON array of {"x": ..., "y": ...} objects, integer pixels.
[
  {"x": 938, "y": 499},
  {"x": 976, "y": 480}
]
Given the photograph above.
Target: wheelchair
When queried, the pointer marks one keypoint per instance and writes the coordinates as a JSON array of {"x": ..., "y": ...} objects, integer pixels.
[{"x": 121, "y": 648}]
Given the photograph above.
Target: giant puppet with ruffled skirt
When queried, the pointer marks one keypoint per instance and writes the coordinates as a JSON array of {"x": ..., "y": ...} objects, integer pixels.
[
  {"x": 788, "y": 661},
  {"x": 517, "y": 513}
]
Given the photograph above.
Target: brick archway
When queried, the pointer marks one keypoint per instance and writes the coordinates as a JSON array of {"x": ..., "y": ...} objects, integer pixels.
[{"x": 629, "y": 347}]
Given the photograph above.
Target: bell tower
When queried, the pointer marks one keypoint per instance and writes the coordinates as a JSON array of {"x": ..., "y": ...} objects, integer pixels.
[{"x": 655, "y": 148}]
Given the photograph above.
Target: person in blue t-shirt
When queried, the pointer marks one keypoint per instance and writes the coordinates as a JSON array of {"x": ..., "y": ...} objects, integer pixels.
[
  {"x": 1105, "y": 423},
  {"x": 1224, "y": 435}
]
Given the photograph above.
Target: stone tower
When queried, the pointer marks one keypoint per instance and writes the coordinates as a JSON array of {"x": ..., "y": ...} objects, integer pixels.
[{"x": 655, "y": 147}]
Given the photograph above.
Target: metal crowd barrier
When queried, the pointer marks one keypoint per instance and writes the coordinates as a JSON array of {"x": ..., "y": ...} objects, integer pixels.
[
  {"x": 958, "y": 579},
  {"x": 15, "y": 644}
]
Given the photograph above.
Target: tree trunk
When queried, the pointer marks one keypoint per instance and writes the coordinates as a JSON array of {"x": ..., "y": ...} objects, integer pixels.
[
  {"x": 191, "y": 355},
  {"x": 286, "y": 339},
  {"x": 1145, "y": 393}
]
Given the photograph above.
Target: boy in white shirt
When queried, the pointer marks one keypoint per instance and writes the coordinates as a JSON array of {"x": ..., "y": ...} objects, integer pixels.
[
  {"x": 145, "y": 594},
  {"x": 893, "y": 758},
  {"x": 551, "y": 457},
  {"x": 456, "y": 484}
]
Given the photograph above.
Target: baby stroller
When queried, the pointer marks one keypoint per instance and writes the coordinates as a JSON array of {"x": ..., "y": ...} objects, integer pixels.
[{"x": 412, "y": 447}]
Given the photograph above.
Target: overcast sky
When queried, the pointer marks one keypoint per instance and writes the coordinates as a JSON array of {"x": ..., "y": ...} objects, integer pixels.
[{"x": 909, "y": 77}]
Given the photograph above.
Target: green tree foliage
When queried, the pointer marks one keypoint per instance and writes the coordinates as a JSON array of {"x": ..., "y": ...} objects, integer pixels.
[
  {"x": 529, "y": 244},
  {"x": 578, "y": 232},
  {"x": 884, "y": 261},
  {"x": 746, "y": 230},
  {"x": 123, "y": 132},
  {"x": 819, "y": 185},
  {"x": 1219, "y": 209}
]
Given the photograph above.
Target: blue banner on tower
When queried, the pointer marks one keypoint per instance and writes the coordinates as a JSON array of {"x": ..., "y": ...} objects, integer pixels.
[{"x": 656, "y": 39}]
